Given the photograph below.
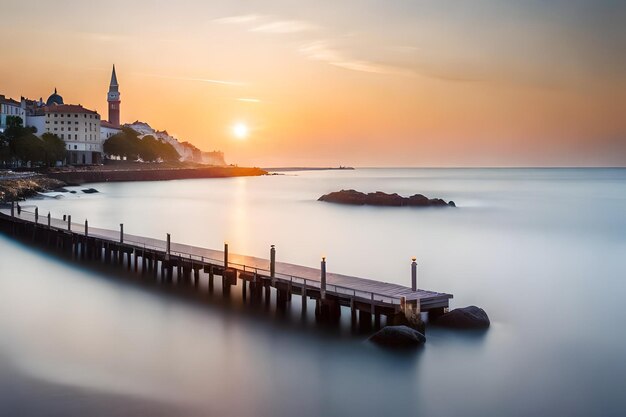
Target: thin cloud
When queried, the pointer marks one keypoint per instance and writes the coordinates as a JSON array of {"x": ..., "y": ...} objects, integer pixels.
[
  {"x": 284, "y": 26},
  {"x": 204, "y": 80},
  {"x": 245, "y": 18},
  {"x": 321, "y": 51},
  {"x": 249, "y": 100}
]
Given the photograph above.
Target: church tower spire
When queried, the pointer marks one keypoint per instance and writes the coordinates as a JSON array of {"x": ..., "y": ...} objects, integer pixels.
[{"x": 113, "y": 97}]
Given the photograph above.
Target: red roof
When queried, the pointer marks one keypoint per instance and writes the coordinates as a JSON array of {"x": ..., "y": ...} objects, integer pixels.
[
  {"x": 5, "y": 100},
  {"x": 68, "y": 108}
]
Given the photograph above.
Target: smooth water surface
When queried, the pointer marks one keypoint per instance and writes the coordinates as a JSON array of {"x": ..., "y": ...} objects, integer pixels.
[{"x": 543, "y": 251}]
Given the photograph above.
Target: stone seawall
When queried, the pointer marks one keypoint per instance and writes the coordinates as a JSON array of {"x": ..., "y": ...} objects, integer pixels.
[{"x": 86, "y": 176}]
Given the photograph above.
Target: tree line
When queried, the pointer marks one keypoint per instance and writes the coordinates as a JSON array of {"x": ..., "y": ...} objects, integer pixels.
[
  {"x": 20, "y": 146},
  {"x": 127, "y": 144}
]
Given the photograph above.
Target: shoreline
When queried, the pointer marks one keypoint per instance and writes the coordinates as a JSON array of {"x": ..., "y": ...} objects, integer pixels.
[{"x": 19, "y": 186}]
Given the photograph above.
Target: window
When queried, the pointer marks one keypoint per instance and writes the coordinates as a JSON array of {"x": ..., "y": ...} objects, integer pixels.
[
  {"x": 55, "y": 122},
  {"x": 76, "y": 136},
  {"x": 76, "y": 115},
  {"x": 75, "y": 147},
  {"x": 62, "y": 136}
]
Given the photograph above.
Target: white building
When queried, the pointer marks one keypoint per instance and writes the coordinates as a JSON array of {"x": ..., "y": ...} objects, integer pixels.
[
  {"x": 108, "y": 129},
  {"x": 10, "y": 107},
  {"x": 77, "y": 126}
]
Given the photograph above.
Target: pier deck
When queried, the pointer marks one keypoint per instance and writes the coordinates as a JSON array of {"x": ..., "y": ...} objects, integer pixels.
[{"x": 347, "y": 290}]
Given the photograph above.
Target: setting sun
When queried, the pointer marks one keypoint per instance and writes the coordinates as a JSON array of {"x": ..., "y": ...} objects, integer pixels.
[{"x": 240, "y": 130}]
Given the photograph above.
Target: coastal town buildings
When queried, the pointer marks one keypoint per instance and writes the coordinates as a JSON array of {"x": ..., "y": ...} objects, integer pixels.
[
  {"x": 83, "y": 130},
  {"x": 186, "y": 150}
]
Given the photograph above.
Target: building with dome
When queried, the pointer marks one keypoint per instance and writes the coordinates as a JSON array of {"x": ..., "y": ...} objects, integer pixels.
[
  {"x": 54, "y": 99},
  {"x": 76, "y": 125}
]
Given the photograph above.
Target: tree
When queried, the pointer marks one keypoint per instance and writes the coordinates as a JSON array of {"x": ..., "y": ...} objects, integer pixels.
[
  {"x": 54, "y": 148},
  {"x": 149, "y": 148},
  {"x": 128, "y": 144},
  {"x": 5, "y": 150},
  {"x": 15, "y": 129},
  {"x": 29, "y": 148}
]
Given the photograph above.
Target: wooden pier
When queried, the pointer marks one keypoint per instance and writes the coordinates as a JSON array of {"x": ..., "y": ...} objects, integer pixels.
[{"x": 169, "y": 261}]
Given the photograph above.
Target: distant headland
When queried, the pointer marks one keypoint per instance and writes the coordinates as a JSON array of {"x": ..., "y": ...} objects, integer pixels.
[{"x": 288, "y": 169}]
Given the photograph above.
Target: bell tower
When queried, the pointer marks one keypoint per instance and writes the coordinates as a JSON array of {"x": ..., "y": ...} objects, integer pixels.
[{"x": 113, "y": 97}]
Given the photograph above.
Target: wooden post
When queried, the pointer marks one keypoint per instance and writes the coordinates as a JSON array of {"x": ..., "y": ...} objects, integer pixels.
[
  {"x": 273, "y": 263},
  {"x": 36, "y": 215},
  {"x": 323, "y": 278},
  {"x": 69, "y": 222},
  {"x": 86, "y": 228},
  {"x": 225, "y": 255},
  {"x": 121, "y": 232},
  {"x": 49, "y": 220},
  {"x": 414, "y": 274},
  {"x": 168, "y": 247}
]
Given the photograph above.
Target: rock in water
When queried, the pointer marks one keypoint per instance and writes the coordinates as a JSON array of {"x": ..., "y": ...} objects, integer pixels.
[
  {"x": 90, "y": 191},
  {"x": 471, "y": 317},
  {"x": 398, "y": 337},
  {"x": 383, "y": 199}
]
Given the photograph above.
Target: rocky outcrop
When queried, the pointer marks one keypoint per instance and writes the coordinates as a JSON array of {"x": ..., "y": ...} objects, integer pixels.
[
  {"x": 398, "y": 337},
  {"x": 19, "y": 189},
  {"x": 471, "y": 317},
  {"x": 383, "y": 199}
]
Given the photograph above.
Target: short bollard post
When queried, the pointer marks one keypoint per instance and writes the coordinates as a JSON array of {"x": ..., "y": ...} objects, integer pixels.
[
  {"x": 69, "y": 222},
  {"x": 272, "y": 264},
  {"x": 36, "y": 215},
  {"x": 12, "y": 208},
  {"x": 121, "y": 232},
  {"x": 323, "y": 278},
  {"x": 49, "y": 220},
  {"x": 167, "y": 247},
  {"x": 414, "y": 274},
  {"x": 225, "y": 255},
  {"x": 86, "y": 228}
]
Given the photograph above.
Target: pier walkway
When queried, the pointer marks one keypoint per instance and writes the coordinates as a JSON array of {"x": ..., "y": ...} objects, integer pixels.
[{"x": 150, "y": 255}]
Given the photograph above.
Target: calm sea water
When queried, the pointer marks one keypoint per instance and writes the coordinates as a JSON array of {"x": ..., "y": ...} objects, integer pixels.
[{"x": 543, "y": 251}]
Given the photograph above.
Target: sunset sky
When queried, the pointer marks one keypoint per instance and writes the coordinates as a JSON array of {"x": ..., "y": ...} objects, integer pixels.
[{"x": 362, "y": 83}]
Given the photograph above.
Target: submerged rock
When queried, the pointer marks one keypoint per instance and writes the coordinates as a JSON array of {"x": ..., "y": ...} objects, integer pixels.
[
  {"x": 471, "y": 317},
  {"x": 383, "y": 199},
  {"x": 398, "y": 337},
  {"x": 90, "y": 191}
]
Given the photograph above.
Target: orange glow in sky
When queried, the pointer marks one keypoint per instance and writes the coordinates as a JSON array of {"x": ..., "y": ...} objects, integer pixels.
[{"x": 399, "y": 83}]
